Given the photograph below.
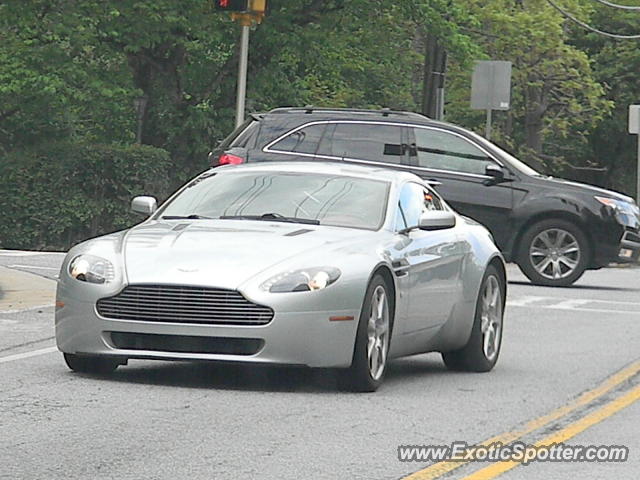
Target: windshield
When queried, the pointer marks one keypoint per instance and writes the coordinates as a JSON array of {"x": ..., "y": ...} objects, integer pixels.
[
  {"x": 335, "y": 200},
  {"x": 518, "y": 164}
]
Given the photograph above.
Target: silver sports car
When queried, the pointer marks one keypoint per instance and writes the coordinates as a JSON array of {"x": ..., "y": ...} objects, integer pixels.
[{"x": 323, "y": 265}]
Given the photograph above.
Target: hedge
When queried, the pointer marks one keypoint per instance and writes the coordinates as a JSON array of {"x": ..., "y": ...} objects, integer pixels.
[{"x": 55, "y": 197}]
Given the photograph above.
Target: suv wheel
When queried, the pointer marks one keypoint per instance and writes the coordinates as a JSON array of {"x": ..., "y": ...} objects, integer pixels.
[{"x": 554, "y": 253}]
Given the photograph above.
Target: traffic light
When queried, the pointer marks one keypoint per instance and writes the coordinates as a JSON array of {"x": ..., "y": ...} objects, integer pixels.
[
  {"x": 232, "y": 5},
  {"x": 257, "y": 7}
]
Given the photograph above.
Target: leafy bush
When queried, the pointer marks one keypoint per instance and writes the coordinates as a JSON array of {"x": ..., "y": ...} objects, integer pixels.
[{"x": 54, "y": 198}]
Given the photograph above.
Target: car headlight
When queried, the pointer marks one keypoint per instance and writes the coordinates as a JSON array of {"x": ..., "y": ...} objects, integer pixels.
[
  {"x": 92, "y": 269},
  {"x": 304, "y": 280},
  {"x": 620, "y": 206}
]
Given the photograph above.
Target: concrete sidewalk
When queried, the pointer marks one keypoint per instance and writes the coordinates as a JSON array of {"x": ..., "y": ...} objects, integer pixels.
[{"x": 21, "y": 291}]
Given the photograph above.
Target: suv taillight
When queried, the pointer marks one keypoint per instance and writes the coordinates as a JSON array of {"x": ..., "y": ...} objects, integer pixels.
[{"x": 228, "y": 159}]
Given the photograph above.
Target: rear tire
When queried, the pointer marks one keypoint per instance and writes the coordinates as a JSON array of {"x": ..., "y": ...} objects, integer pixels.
[
  {"x": 482, "y": 350},
  {"x": 369, "y": 363},
  {"x": 90, "y": 364},
  {"x": 554, "y": 253}
]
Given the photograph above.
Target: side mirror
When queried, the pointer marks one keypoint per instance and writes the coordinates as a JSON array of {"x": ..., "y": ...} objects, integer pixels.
[
  {"x": 144, "y": 205},
  {"x": 437, "y": 220},
  {"x": 494, "y": 171}
]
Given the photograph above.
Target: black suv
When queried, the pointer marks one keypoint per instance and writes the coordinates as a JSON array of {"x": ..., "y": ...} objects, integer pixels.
[{"x": 554, "y": 229}]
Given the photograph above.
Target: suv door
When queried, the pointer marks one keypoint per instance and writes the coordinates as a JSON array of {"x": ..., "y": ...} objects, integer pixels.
[{"x": 459, "y": 165}]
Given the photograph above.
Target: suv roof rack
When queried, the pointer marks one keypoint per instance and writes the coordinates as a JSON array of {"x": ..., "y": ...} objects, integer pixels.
[{"x": 308, "y": 109}]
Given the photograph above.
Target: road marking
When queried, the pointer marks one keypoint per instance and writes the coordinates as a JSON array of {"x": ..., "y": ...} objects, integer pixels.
[
  {"x": 563, "y": 434},
  {"x": 33, "y": 353},
  {"x": 576, "y": 304},
  {"x": 525, "y": 301},
  {"x": 25, "y": 253},
  {"x": 438, "y": 469},
  {"x": 574, "y": 309},
  {"x": 34, "y": 266}
]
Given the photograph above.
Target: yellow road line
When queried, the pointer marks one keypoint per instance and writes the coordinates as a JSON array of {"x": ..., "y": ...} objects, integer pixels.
[
  {"x": 564, "y": 434},
  {"x": 438, "y": 469}
]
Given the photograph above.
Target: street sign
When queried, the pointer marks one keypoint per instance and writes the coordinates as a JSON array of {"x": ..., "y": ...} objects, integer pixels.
[{"x": 491, "y": 86}]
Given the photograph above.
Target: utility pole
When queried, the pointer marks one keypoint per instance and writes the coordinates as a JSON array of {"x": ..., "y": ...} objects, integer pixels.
[
  {"x": 242, "y": 73},
  {"x": 434, "y": 72},
  {"x": 247, "y": 13}
]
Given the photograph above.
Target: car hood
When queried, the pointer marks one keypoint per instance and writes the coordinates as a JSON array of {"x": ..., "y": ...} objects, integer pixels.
[
  {"x": 585, "y": 188},
  {"x": 220, "y": 253}
]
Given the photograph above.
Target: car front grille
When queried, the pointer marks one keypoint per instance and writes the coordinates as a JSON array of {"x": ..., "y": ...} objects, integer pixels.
[
  {"x": 183, "y": 304},
  {"x": 186, "y": 343}
]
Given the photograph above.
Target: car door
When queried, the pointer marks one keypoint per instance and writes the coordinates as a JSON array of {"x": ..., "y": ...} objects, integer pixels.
[
  {"x": 431, "y": 259},
  {"x": 460, "y": 165}
]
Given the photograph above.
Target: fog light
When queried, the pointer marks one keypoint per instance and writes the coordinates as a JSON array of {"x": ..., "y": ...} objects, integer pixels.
[{"x": 626, "y": 253}]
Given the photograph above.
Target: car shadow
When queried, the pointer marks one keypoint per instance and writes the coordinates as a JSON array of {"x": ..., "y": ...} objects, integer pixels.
[
  {"x": 221, "y": 376},
  {"x": 577, "y": 287}
]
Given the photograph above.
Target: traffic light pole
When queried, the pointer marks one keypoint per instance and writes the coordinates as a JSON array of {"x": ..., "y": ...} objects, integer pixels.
[{"x": 242, "y": 75}]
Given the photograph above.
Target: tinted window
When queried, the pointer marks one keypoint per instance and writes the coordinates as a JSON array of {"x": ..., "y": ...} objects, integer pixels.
[
  {"x": 444, "y": 151},
  {"x": 331, "y": 199},
  {"x": 304, "y": 140},
  {"x": 379, "y": 143}
]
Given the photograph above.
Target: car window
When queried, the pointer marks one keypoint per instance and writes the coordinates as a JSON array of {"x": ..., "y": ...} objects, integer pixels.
[
  {"x": 445, "y": 151},
  {"x": 378, "y": 143},
  {"x": 410, "y": 206},
  {"x": 304, "y": 140}
]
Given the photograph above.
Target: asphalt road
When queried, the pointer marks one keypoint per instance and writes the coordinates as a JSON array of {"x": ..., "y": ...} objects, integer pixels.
[{"x": 568, "y": 370}]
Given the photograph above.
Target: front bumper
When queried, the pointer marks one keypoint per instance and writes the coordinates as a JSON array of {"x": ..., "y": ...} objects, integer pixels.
[{"x": 300, "y": 332}]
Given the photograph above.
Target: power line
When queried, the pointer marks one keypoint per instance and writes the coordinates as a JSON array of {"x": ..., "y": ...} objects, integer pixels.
[
  {"x": 615, "y": 5},
  {"x": 589, "y": 27}
]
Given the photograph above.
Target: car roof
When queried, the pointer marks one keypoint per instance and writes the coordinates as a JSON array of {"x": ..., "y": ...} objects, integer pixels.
[{"x": 326, "y": 168}]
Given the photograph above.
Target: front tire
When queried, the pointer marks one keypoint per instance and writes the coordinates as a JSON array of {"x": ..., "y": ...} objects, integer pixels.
[
  {"x": 369, "y": 363},
  {"x": 90, "y": 364},
  {"x": 482, "y": 350},
  {"x": 553, "y": 253}
]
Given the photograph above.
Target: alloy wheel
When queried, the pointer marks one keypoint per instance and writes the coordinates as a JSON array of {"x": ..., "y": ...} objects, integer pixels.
[
  {"x": 555, "y": 253},
  {"x": 378, "y": 333},
  {"x": 491, "y": 318}
]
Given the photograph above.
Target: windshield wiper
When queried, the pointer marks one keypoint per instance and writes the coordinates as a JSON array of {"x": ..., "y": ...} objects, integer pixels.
[
  {"x": 273, "y": 217},
  {"x": 193, "y": 216}
]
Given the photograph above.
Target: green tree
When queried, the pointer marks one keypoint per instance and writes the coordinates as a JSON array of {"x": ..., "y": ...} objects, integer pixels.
[{"x": 556, "y": 99}]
